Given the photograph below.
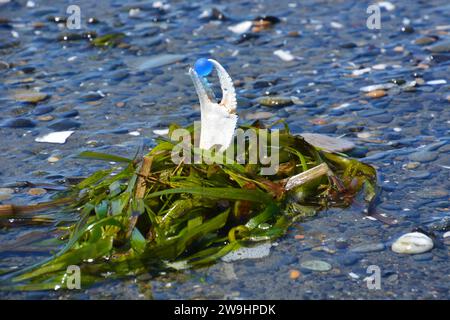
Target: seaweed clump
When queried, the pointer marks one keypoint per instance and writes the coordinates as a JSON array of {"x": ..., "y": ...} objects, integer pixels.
[{"x": 150, "y": 214}]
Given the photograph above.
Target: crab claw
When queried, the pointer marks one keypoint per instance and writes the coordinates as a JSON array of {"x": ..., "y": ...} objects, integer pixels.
[{"x": 218, "y": 120}]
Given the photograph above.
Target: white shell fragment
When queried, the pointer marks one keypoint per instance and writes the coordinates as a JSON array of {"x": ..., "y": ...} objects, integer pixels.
[
  {"x": 55, "y": 137},
  {"x": 412, "y": 243},
  {"x": 284, "y": 55}
]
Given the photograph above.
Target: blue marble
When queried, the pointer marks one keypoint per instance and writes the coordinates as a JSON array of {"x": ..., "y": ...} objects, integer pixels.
[{"x": 203, "y": 67}]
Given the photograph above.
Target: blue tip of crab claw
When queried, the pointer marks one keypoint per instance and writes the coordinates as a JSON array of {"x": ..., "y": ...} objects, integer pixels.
[{"x": 203, "y": 67}]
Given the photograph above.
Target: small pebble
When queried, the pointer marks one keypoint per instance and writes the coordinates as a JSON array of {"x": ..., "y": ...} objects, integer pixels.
[
  {"x": 29, "y": 96},
  {"x": 53, "y": 159},
  {"x": 275, "y": 101},
  {"x": 364, "y": 135},
  {"x": 47, "y": 117},
  {"x": 376, "y": 94},
  {"x": 412, "y": 165},
  {"x": 294, "y": 274},
  {"x": 316, "y": 265},
  {"x": 258, "y": 115},
  {"x": 284, "y": 55},
  {"x": 353, "y": 275},
  {"x": 37, "y": 191},
  {"x": 424, "y": 41},
  {"x": 412, "y": 243}
]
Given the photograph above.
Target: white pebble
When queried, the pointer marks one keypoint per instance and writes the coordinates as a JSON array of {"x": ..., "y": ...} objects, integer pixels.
[
  {"x": 134, "y": 133},
  {"x": 447, "y": 234},
  {"x": 380, "y": 66},
  {"x": 342, "y": 106},
  {"x": 161, "y": 132},
  {"x": 435, "y": 82},
  {"x": 373, "y": 87},
  {"x": 336, "y": 25},
  {"x": 361, "y": 71},
  {"x": 241, "y": 27},
  {"x": 363, "y": 135},
  {"x": 386, "y": 5},
  {"x": 284, "y": 55},
  {"x": 412, "y": 243},
  {"x": 53, "y": 159},
  {"x": 353, "y": 275},
  {"x": 55, "y": 137},
  {"x": 134, "y": 12}
]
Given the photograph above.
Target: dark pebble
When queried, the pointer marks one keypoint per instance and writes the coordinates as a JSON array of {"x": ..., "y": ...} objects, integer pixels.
[
  {"x": 120, "y": 131},
  {"x": 91, "y": 96},
  {"x": 63, "y": 125},
  {"x": 246, "y": 37},
  {"x": 407, "y": 29},
  {"x": 119, "y": 75},
  {"x": 439, "y": 58},
  {"x": 358, "y": 152},
  {"x": 423, "y": 156},
  {"x": 349, "y": 259},
  {"x": 348, "y": 45},
  {"x": 40, "y": 110},
  {"x": 382, "y": 118},
  {"x": 389, "y": 187},
  {"x": 327, "y": 128},
  {"x": 69, "y": 114},
  {"x": 19, "y": 123},
  {"x": 341, "y": 243},
  {"x": 423, "y": 257},
  {"x": 244, "y": 102}
]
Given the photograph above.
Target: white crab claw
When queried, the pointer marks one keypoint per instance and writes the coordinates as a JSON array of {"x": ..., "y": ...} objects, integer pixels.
[{"x": 218, "y": 120}]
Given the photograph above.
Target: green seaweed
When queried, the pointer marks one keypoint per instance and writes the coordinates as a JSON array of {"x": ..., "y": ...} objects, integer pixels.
[{"x": 188, "y": 215}]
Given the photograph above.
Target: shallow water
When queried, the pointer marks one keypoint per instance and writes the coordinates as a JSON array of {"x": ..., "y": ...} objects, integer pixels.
[{"x": 113, "y": 98}]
